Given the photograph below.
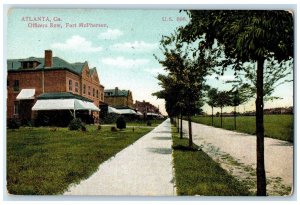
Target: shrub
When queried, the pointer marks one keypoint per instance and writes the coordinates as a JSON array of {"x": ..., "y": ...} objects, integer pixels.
[
  {"x": 113, "y": 129},
  {"x": 121, "y": 124},
  {"x": 75, "y": 124},
  {"x": 13, "y": 124},
  {"x": 83, "y": 128},
  {"x": 99, "y": 127},
  {"x": 149, "y": 123}
]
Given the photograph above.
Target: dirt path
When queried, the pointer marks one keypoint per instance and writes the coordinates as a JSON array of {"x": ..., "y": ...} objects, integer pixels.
[
  {"x": 236, "y": 152},
  {"x": 142, "y": 169}
]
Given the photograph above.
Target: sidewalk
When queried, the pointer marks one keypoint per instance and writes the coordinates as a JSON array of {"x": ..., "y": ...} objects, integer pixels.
[
  {"x": 142, "y": 169},
  {"x": 236, "y": 152}
]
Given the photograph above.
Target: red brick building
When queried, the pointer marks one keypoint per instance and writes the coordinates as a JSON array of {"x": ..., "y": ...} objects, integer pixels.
[
  {"x": 48, "y": 75},
  {"x": 146, "y": 107}
]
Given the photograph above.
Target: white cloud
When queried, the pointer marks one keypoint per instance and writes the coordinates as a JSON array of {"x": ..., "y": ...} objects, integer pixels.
[
  {"x": 78, "y": 44},
  {"x": 139, "y": 46},
  {"x": 122, "y": 62},
  {"x": 111, "y": 34}
]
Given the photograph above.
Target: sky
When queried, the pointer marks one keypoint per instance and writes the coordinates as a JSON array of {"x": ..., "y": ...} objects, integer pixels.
[{"x": 122, "y": 47}]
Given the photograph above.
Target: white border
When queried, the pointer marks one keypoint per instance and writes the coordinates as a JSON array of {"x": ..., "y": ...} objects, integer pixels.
[{"x": 187, "y": 4}]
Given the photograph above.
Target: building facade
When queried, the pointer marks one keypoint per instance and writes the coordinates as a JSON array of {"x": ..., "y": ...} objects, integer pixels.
[
  {"x": 118, "y": 98},
  {"x": 145, "y": 107},
  {"x": 48, "y": 75}
]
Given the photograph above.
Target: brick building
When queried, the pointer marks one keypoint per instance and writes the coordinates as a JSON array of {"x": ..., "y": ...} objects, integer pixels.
[
  {"x": 145, "y": 107},
  {"x": 30, "y": 77},
  {"x": 118, "y": 98}
]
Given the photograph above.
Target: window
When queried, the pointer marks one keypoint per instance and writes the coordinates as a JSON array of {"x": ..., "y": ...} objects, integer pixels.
[
  {"x": 76, "y": 87},
  {"x": 16, "y": 108},
  {"x": 97, "y": 93},
  {"x": 89, "y": 90},
  {"x": 83, "y": 88},
  {"x": 102, "y": 97},
  {"x": 70, "y": 85},
  {"x": 16, "y": 85},
  {"x": 93, "y": 92}
]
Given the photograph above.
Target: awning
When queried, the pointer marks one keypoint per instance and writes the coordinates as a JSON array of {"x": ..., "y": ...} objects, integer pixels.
[
  {"x": 113, "y": 110},
  {"x": 139, "y": 113},
  {"x": 26, "y": 94},
  {"x": 64, "y": 104},
  {"x": 84, "y": 105},
  {"x": 127, "y": 111},
  {"x": 152, "y": 114}
]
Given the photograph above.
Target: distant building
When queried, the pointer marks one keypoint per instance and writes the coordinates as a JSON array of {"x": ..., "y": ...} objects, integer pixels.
[
  {"x": 118, "y": 98},
  {"x": 145, "y": 107},
  {"x": 31, "y": 77},
  {"x": 279, "y": 110}
]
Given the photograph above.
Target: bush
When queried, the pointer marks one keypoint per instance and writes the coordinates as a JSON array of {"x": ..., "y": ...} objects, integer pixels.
[
  {"x": 121, "y": 124},
  {"x": 113, "y": 129},
  {"x": 99, "y": 127},
  {"x": 149, "y": 123},
  {"x": 83, "y": 128},
  {"x": 13, "y": 124},
  {"x": 75, "y": 124}
]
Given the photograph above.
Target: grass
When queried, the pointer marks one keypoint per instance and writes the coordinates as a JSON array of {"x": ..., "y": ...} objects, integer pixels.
[
  {"x": 276, "y": 126},
  {"x": 154, "y": 123},
  {"x": 41, "y": 161},
  {"x": 197, "y": 174}
]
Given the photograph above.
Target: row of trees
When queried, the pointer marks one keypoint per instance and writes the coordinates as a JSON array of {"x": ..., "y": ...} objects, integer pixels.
[
  {"x": 256, "y": 44},
  {"x": 221, "y": 99}
]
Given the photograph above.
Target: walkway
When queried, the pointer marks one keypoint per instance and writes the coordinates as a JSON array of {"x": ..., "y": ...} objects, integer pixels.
[
  {"x": 236, "y": 152},
  {"x": 142, "y": 169}
]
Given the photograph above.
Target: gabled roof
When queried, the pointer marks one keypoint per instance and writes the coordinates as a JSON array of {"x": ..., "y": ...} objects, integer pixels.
[
  {"x": 58, "y": 63},
  {"x": 113, "y": 92},
  {"x": 79, "y": 66},
  {"x": 92, "y": 70}
]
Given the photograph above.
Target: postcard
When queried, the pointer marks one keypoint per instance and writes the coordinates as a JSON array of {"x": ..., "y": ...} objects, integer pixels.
[{"x": 149, "y": 102}]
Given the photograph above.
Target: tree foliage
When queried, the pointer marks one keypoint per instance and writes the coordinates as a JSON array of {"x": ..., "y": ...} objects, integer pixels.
[{"x": 246, "y": 36}]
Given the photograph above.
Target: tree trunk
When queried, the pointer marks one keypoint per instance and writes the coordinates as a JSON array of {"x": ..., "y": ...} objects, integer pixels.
[
  {"x": 221, "y": 117},
  {"x": 181, "y": 134},
  {"x": 260, "y": 169},
  {"x": 235, "y": 117},
  {"x": 190, "y": 130},
  {"x": 212, "y": 116},
  {"x": 178, "y": 123}
]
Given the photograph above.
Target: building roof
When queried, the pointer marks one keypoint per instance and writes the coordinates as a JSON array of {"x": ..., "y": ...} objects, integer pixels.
[
  {"x": 123, "y": 93},
  {"x": 58, "y": 63},
  {"x": 62, "y": 95},
  {"x": 64, "y": 104}
]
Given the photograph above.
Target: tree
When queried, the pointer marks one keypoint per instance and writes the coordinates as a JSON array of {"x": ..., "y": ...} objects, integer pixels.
[
  {"x": 223, "y": 99},
  {"x": 247, "y": 36},
  {"x": 188, "y": 67},
  {"x": 212, "y": 95},
  {"x": 239, "y": 95}
]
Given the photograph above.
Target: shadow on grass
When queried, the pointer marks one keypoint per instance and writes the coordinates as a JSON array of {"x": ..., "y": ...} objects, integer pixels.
[{"x": 185, "y": 148}]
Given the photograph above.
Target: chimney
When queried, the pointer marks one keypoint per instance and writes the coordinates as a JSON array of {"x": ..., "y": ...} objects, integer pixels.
[
  {"x": 116, "y": 91},
  {"x": 48, "y": 58}
]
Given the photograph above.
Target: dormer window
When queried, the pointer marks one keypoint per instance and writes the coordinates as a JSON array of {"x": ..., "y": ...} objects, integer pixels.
[{"x": 29, "y": 64}]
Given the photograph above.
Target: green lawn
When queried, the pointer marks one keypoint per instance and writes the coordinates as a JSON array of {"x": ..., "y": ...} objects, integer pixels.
[
  {"x": 276, "y": 126},
  {"x": 154, "y": 123},
  {"x": 43, "y": 162},
  {"x": 197, "y": 174},
  {"x": 141, "y": 123}
]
